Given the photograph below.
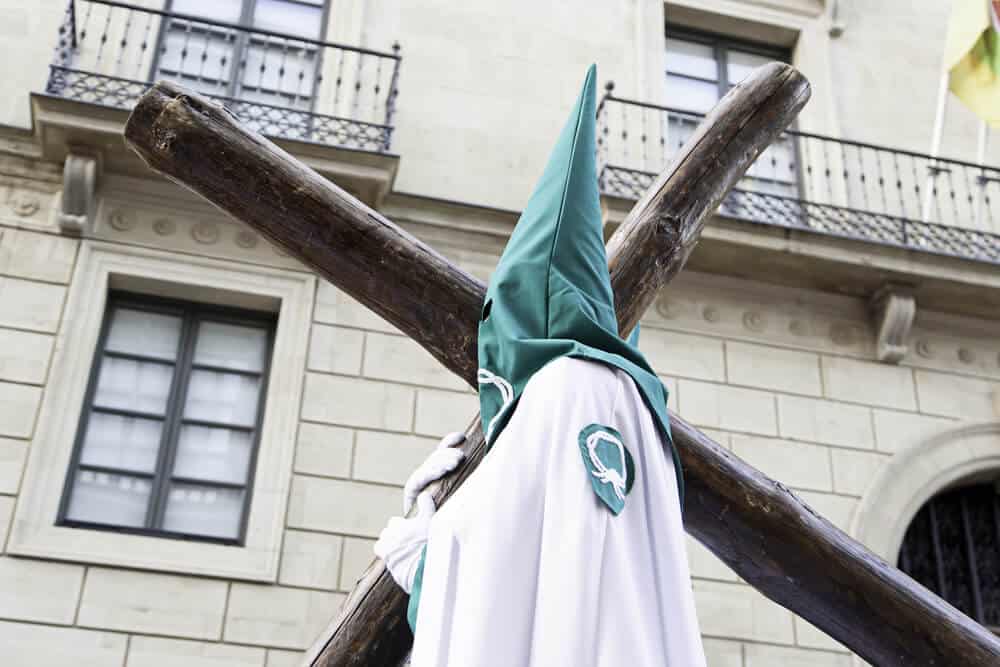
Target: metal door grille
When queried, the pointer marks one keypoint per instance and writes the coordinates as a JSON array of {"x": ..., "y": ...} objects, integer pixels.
[{"x": 952, "y": 547}]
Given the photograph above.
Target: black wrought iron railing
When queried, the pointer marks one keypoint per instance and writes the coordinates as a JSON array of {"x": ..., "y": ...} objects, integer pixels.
[
  {"x": 814, "y": 182},
  {"x": 282, "y": 85}
]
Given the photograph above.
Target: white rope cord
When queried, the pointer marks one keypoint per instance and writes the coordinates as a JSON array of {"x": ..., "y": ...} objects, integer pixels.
[
  {"x": 506, "y": 394},
  {"x": 602, "y": 472}
]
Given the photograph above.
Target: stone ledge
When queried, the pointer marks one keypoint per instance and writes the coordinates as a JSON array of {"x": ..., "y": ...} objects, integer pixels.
[
  {"x": 62, "y": 126},
  {"x": 803, "y": 258}
]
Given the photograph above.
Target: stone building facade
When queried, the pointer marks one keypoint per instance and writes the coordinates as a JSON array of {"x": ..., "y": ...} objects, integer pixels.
[{"x": 836, "y": 328}]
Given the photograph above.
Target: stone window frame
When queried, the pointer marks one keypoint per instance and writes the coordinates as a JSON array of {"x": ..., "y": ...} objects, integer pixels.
[
  {"x": 941, "y": 460},
  {"x": 102, "y": 267},
  {"x": 191, "y": 314}
]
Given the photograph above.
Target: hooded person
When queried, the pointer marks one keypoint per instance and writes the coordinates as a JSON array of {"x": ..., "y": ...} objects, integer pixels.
[{"x": 565, "y": 546}]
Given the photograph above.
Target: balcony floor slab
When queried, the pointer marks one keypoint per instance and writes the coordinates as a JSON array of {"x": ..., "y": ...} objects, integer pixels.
[{"x": 61, "y": 126}]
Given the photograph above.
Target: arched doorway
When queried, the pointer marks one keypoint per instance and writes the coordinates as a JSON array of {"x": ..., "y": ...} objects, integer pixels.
[
  {"x": 952, "y": 547},
  {"x": 947, "y": 459}
]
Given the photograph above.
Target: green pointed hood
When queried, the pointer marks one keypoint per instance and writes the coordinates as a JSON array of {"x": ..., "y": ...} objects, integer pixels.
[{"x": 550, "y": 295}]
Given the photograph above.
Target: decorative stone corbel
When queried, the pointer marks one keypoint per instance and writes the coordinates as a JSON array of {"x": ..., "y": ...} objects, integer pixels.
[
  {"x": 893, "y": 308},
  {"x": 79, "y": 184}
]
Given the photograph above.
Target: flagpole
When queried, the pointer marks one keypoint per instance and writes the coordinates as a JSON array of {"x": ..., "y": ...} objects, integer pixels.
[
  {"x": 936, "y": 137},
  {"x": 982, "y": 142}
]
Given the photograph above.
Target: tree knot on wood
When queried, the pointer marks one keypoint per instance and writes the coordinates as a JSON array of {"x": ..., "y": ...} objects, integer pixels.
[
  {"x": 669, "y": 226},
  {"x": 163, "y": 139}
]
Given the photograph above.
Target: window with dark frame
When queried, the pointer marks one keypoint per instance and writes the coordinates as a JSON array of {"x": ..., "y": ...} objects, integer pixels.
[
  {"x": 248, "y": 64},
  {"x": 952, "y": 547},
  {"x": 700, "y": 68},
  {"x": 171, "y": 419}
]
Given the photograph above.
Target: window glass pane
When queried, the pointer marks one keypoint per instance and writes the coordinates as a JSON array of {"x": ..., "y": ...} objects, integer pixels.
[
  {"x": 230, "y": 346},
  {"x": 691, "y": 95},
  {"x": 102, "y": 497},
  {"x": 777, "y": 164},
  {"x": 217, "y": 10},
  {"x": 133, "y": 385},
  {"x": 149, "y": 334},
  {"x": 678, "y": 129},
  {"x": 213, "y": 454},
  {"x": 284, "y": 74},
  {"x": 121, "y": 447},
  {"x": 222, "y": 397},
  {"x": 288, "y": 17},
  {"x": 130, "y": 443},
  {"x": 202, "y": 58},
  {"x": 691, "y": 58},
  {"x": 739, "y": 64},
  {"x": 203, "y": 510}
]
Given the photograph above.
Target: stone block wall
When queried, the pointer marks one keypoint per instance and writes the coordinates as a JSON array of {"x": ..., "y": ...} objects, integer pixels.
[
  {"x": 786, "y": 378},
  {"x": 783, "y": 377}
]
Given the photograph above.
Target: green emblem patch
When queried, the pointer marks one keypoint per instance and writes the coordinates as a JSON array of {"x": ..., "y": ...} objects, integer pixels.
[{"x": 609, "y": 465}]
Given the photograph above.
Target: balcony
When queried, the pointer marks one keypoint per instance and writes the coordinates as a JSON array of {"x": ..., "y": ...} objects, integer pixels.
[
  {"x": 815, "y": 183},
  {"x": 330, "y": 103}
]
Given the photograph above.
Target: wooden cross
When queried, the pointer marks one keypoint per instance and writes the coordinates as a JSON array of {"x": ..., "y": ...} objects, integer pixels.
[{"x": 755, "y": 525}]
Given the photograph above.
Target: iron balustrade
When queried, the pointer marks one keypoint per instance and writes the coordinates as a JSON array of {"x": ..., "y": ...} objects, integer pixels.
[
  {"x": 813, "y": 182},
  {"x": 281, "y": 85}
]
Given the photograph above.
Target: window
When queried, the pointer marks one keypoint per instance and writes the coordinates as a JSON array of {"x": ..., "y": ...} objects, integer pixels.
[
  {"x": 108, "y": 273},
  {"x": 247, "y": 64},
  {"x": 952, "y": 547},
  {"x": 700, "y": 69},
  {"x": 168, "y": 433}
]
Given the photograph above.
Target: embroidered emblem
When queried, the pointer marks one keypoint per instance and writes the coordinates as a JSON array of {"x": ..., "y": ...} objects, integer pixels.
[{"x": 609, "y": 463}]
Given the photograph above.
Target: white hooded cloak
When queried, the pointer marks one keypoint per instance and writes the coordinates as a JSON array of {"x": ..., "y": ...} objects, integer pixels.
[{"x": 526, "y": 567}]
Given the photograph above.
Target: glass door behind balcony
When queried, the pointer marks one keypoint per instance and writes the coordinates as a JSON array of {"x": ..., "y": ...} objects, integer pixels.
[
  {"x": 700, "y": 69},
  {"x": 266, "y": 60},
  {"x": 240, "y": 49}
]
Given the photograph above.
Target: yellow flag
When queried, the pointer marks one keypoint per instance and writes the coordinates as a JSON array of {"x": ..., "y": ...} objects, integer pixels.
[{"x": 972, "y": 56}]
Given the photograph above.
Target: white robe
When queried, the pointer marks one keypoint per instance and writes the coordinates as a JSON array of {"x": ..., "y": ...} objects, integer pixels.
[{"x": 526, "y": 567}]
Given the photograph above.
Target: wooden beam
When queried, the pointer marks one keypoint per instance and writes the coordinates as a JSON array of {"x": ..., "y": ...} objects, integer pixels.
[
  {"x": 758, "y": 527},
  {"x": 202, "y": 146}
]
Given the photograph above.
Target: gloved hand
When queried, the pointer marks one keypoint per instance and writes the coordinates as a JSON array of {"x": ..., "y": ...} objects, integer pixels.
[
  {"x": 402, "y": 541},
  {"x": 441, "y": 461}
]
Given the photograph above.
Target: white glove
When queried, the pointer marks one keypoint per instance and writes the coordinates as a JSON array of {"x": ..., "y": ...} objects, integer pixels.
[
  {"x": 441, "y": 461},
  {"x": 402, "y": 541}
]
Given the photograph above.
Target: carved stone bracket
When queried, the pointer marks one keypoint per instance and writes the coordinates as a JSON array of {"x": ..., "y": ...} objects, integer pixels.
[
  {"x": 79, "y": 184},
  {"x": 893, "y": 309}
]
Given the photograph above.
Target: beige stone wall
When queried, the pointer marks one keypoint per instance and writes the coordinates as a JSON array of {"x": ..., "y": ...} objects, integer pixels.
[
  {"x": 28, "y": 35},
  {"x": 783, "y": 377},
  {"x": 898, "y": 110},
  {"x": 373, "y": 405},
  {"x": 53, "y": 612},
  {"x": 495, "y": 77},
  {"x": 484, "y": 83}
]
